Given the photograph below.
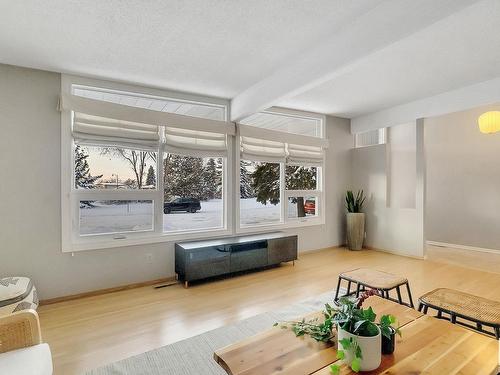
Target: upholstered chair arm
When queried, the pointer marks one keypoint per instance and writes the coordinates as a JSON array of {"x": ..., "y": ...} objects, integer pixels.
[{"x": 19, "y": 330}]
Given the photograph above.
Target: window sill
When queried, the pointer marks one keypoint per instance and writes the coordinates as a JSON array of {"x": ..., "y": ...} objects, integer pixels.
[{"x": 107, "y": 243}]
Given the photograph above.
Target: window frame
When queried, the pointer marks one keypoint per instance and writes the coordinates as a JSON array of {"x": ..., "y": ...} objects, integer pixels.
[
  {"x": 285, "y": 222},
  {"x": 70, "y": 196},
  {"x": 231, "y": 181}
]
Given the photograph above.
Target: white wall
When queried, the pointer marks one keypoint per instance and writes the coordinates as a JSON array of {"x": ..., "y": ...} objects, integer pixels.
[
  {"x": 391, "y": 227},
  {"x": 30, "y": 209},
  {"x": 463, "y": 180}
]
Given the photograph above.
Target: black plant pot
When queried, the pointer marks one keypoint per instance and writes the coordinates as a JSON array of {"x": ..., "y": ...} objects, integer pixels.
[{"x": 389, "y": 344}]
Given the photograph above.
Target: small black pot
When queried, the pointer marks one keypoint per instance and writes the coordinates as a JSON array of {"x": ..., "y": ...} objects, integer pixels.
[{"x": 389, "y": 344}]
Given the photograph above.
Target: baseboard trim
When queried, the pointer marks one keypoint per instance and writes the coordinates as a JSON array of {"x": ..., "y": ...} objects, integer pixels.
[
  {"x": 320, "y": 249},
  {"x": 99, "y": 292},
  {"x": 463, "y": 247},
  {"x": 394, "y": 252}
]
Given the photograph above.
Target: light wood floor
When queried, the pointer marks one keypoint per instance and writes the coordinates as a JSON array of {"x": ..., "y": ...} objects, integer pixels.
[{"x": 93, "y": 331}]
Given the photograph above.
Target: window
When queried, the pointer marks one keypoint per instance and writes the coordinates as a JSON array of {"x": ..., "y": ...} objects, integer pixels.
[
  {"x": 111, "y": 167},
  {"x": 260, "y": 193},
  {"x": 280, "y": 166},
  {"x": 287, "y": 121},
  {"x": 370, "y": 138},
  {"x": 193, "y": 193},
  {"x": 132, "y": 179},
  {"x": 141, "y": 167},
  {"x": 115, "y": 216}
]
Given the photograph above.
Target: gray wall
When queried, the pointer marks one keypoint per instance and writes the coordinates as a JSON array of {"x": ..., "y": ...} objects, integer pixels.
[
  {"x": 30, "y": 208},
  {"x": 391, "y": 224},
  {"x": 463, "y": 180}
]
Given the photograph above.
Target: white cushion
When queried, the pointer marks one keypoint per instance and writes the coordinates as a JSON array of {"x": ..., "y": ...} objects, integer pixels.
[{"x": 34, "y": 360}]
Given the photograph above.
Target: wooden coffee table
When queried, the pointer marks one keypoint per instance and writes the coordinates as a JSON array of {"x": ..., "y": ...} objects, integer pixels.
[{"x": 428, "y": 344}]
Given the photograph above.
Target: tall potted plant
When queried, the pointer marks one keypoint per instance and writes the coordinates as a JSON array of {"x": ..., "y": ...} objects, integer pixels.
[{"x": 355, "y": 219}]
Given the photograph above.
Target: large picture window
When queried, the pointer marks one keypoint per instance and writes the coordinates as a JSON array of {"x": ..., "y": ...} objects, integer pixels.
[{"x": 141, "y": 168}]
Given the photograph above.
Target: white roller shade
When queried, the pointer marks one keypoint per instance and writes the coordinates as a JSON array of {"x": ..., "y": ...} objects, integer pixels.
[
  {"x": 304, "y": 155},
  {"x": 262, "y": 150},
  {"x": 195, "y": 143},
  {"x": 102, "y": 130}
]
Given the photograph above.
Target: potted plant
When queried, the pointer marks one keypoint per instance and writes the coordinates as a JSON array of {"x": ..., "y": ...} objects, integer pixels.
[
  {"x": 388, "y": 333},
  {"x": 358, "y": 334},
  {"x": 355, "y": 219},
  {"x": 358, "y": 337}
]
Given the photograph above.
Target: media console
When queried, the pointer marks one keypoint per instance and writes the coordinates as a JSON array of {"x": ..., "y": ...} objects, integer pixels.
[{"x": 195, "y": 260}]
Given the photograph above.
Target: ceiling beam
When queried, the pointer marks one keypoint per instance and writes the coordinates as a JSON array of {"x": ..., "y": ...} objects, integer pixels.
[
  {"x": 479, "y": 94},
  {"x": 383, "y": 25}
]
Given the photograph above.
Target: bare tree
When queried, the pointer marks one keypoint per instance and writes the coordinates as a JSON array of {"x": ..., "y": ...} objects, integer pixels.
[{"x": 136, "y": 160}]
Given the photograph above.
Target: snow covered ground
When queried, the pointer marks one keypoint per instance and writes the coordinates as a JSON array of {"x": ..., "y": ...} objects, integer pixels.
[{"x": 135, "y": 216}]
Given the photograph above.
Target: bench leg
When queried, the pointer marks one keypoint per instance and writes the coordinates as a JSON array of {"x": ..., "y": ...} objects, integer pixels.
[
  {"x": 479, "y": 326},
  {"x": 453, "y": 318},
  {"x": 425, "y": 309},
  {"x": 348, "y": 287},
  {"x": 399, "y": 295},
  {"x": 409, "y": 295},
  {"x": 357, "y": 290},
  {"x": 497, "y": 332},
  {"x": 440, "y": 314},
  {"x": 420, "y": 307},
  {"x": 338, "y": 289}
]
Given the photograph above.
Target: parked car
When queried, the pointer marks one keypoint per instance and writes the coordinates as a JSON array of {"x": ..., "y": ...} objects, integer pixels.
[
  {"x": 182, "y": 204},
  {"x": 310, "y": 207}
]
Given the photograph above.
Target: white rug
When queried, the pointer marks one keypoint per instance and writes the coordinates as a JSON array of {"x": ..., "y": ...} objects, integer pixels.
[{"x": 195, "y": 355}]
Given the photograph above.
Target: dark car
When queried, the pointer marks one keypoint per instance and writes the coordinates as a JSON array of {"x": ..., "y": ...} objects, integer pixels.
[{"x": 182, "y": 204}]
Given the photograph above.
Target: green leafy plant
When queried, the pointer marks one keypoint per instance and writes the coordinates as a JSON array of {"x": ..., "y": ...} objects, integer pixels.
[
  {"x": 354, "y": 203},
  {"x": 349, "y": 315},
  {"x": 320, "y": 331},
  {"x": 348, "y": 344},
  {"x": 387, "y": 326}
]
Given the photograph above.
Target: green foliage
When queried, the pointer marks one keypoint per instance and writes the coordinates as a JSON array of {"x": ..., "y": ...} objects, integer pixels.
[
  {"x": 265, "y": 183},
  {"x": 354, "y": 319},
  {"x": 151, "y": 177},
  {"x": 387, "y": 326},
  {"x": 351, "y": 345},
  {"x": 354, "y": 203},
  {"x": 335, "y": 369}
]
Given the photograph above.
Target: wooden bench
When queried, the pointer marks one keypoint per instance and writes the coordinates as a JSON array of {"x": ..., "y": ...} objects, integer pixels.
[
  {"x": 364, "y": 278},
  {"x": 457, "y": 304}
]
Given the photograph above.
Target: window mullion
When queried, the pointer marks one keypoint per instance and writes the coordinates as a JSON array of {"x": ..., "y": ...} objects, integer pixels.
[
  {"x": 283, "y": 199},
  {"x": 160, "y": 186}
]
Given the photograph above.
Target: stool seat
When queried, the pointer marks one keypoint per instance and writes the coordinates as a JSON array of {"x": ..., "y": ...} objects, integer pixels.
[
  {"x": 374, "y": 278},
  {"x": 463, "y": 304}
]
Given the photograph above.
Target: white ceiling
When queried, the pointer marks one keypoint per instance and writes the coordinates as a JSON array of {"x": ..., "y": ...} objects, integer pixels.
[
  {"x": 457, "y": 51},
  {"x": 210, "y": 47},
  {"x": 226, "y": 47}
]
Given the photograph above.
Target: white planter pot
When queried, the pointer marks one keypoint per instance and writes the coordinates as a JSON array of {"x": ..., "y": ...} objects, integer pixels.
[
  {"x": 355, "y": 230},
  {"x": 371, "y": 349}
]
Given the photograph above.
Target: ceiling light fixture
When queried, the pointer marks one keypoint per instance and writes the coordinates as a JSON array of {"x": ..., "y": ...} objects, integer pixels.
[{"x": 489, "y": 122}]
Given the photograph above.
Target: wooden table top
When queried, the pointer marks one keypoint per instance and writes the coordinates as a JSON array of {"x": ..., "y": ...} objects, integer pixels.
[{"x": 429, "y": 345}]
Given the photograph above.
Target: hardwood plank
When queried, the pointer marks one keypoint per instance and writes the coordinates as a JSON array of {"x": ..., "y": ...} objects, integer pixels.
[{"x": 89, "y": 332}]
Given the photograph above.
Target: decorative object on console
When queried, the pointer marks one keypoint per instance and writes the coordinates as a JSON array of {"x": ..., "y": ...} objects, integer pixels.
[
  {"x": 355, "y": 220},
  {"x": 16, "y": 294}
]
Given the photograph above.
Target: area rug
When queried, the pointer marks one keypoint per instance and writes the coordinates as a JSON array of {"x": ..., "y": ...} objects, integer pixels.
[{"x": 194, "y": 356}]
